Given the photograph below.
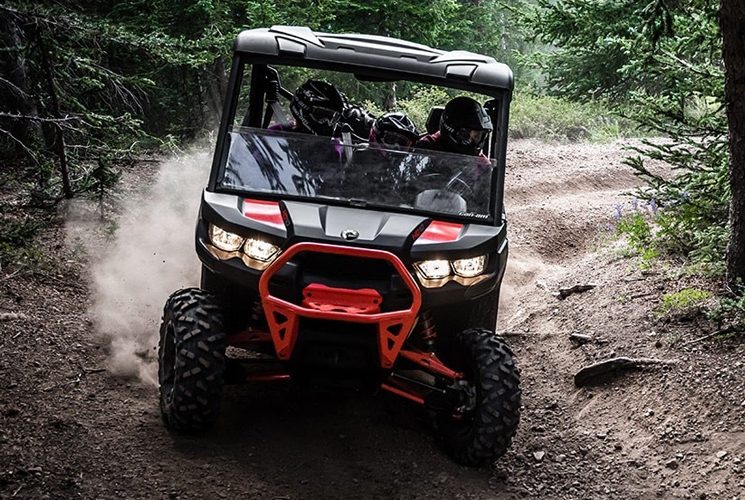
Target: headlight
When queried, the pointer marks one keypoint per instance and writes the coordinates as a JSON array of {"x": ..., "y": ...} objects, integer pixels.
[
  {"x": 225, "y": 240},
  {"x": 434, "y": 269},
  {"x": 468, "y": 268},
  {"x": 260, "y": 250}
]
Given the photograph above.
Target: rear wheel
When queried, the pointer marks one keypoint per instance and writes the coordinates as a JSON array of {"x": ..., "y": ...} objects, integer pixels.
[
  {"x": 191, "y": 360},
  {"x": 482, "y": 428}
]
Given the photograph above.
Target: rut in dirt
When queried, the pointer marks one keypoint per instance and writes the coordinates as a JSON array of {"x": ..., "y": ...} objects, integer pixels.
[{"x": 67, "y": 431}]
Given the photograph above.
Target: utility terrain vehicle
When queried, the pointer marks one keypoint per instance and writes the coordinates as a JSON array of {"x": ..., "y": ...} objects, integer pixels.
[{"x": 337, "y": 262}]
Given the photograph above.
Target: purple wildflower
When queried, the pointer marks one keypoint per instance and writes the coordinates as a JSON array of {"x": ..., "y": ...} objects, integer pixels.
[{"x": 652, "y": 204}]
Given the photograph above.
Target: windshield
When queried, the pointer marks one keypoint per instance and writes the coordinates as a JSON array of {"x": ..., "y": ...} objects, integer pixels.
[{"x": 316, "y": 168}]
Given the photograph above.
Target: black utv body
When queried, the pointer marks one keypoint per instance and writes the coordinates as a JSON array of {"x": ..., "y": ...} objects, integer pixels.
[{"x": 315, "y": 269}]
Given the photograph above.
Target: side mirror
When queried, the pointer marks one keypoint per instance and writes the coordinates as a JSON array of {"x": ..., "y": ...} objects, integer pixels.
[{"x": 439, "y": 200}]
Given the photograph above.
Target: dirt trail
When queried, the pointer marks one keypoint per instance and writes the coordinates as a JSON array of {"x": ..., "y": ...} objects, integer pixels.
[{"x": 68, "y": 430}]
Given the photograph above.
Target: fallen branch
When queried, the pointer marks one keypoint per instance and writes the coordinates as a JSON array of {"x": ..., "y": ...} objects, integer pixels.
[
  {"x": 88, "y": 371},
  {"x": 629, "y": 280},
  {"x": 707, "y": 337},
  {"x": 13, "y": 316},
  {"x": 563, "y": 293},
  {"x": 580, "y": 338},
  {"x": 11, "y": 275},
  {"x": 74, "y": 380},
  {"x": 51, "y": 280},
  {"x": 588, "y": 374}
]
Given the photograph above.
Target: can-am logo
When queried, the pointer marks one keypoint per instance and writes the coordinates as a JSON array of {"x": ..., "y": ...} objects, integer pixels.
[{"x": 349, "y": 234}]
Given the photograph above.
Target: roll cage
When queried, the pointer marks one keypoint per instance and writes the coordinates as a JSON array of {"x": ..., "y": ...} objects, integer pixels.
[{"x": 371, "y": 58}]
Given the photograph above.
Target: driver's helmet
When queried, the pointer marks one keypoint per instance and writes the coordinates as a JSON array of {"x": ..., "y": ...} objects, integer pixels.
[
  {"x": 394, "y": 130},
  {"x": 464, "y": 126},
  {"x": 317, "y": 107}
]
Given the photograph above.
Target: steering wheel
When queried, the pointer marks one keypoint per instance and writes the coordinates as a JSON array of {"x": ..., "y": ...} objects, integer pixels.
[
  {"x": 466, "y": 189},
  {"x": 463, "y": 187}
]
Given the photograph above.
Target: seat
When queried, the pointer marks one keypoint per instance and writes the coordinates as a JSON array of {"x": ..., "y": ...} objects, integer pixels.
[{"x": 433, "y": 120}]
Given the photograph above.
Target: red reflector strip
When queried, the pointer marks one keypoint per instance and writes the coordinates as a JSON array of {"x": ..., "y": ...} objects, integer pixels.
[
  {"x": 441, "y": 232},
  {"x": 267, "y": 212}
]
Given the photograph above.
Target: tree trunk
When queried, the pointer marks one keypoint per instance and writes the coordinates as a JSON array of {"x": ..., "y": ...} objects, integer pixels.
[
  {"x": 14, "y": 80},
  {"x": 59, "y": 136},
  {"x": 732, "y": 21}
]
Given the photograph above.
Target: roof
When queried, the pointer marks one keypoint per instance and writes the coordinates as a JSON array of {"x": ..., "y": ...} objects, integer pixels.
[{"x": 374, "y": 52}]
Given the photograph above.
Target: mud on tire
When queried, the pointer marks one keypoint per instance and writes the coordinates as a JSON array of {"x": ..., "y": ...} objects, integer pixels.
[
  {"x": 191, "y": 360},
  {"x": 484, "y": 432}
]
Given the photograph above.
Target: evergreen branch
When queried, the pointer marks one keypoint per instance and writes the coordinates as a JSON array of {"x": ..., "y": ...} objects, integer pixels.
[
  {"x": 28, "y": 151},
  {"x": 14, "y": 87},
  {"x": 39, "y": 118}
]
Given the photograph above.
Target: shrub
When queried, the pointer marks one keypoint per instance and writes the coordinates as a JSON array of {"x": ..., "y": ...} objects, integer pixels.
[
  {"x": 16, "y": 237},
  {"x": 636, "y": 227},
  {"x": 423, "y": 99},
  {"x": 730, "y": 311},
  {"x": 685, "y": 301},
  {"x": 555, "y": 118},
  {"x": 695, "y": 202}
]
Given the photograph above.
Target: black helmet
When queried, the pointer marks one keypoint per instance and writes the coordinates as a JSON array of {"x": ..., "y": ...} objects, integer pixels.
[
  {"x": 317, "y": 106},
  {"x": 464, "y": 126},
  {"x": 359, "y": 119},
  {"x": 394, "y": 129}
]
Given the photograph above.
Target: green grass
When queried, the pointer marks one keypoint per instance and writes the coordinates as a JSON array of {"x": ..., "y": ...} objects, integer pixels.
[
  {"x": 531, "y": 116},
  {"x": 553, "y": 118},
  {"x": 684, "y": 301},
  {"x": 646, "y": 238}
]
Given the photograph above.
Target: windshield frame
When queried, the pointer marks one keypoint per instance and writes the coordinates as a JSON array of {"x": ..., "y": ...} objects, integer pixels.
[{"x": 240, "y": 66}]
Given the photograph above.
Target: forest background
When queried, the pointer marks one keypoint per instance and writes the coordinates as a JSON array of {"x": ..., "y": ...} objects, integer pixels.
[{"x": 90, "y": 86}]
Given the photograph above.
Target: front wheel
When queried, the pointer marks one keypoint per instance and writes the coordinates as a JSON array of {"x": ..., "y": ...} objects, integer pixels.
[
  {"x": 483, "y": 427},
  {"x": 191, "y": 360}
]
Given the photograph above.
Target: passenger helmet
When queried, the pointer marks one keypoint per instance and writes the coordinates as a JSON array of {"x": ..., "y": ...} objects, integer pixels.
[
  {"x": 317, "y": 107},
  {"x": 359, "y": 119},
  {"x": 464, "y": 126},
  {"x": 394, "y": 130}
]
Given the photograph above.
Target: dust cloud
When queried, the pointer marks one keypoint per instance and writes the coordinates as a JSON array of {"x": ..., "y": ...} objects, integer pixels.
[
  {"x": 525, "y": 273},
  {"x": 141, "y": 258},
  {"x": 147, "y": 253}
]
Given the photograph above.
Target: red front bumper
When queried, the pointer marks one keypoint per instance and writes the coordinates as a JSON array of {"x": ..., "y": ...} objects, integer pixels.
[{"x": 283, "y": 317}]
